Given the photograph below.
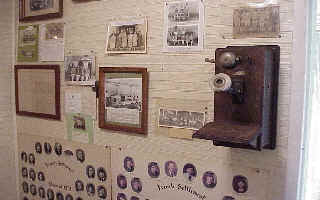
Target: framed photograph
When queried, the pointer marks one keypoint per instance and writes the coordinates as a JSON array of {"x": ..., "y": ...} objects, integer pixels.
[
  {"x": 123, "y": 96},
  {"x": 80, "y": 70},
  {"x": 33, "y": 10},
  {"x": 37, "y": 90},
  {"x": 28, "y": 39},
  {"x": 127, "y": 37}
]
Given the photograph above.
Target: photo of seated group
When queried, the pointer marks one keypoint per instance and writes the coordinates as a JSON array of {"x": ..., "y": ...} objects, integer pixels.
[{"x": 60, "y": 170}]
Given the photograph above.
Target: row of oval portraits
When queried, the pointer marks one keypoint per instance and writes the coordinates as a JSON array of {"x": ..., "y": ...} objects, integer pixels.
[
  {"x": 48, "y": 150},
  {"x": 122, "y": 196},
  {"x": 209, "y": 178},
  {"x": 90, "y": 188}
]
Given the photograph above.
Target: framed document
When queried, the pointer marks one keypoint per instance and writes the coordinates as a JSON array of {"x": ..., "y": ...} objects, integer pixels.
[
  {"x": 123, "y": 96},
  {"x": 32, "y": 10},
  {"x": 37, "y": 90}
]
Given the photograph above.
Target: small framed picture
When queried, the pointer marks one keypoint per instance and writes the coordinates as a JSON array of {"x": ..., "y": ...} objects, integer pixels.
[
  {"x": 123, "y": 93},
  {"x": 33, "y": 10},
  {"x": 127, "y": 37}
]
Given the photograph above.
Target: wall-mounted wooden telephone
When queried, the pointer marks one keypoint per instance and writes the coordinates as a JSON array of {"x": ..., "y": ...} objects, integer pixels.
[{"x": 245, "y": 99}]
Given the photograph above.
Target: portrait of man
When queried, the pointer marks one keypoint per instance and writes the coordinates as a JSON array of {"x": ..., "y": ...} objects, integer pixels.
[
  {"x": 41, "y": 176},
  {"x": 38, "y": 147},
  {"x": 240, "y": 184},
  {"x": 209, "y": 179},
  {"x": 47, "y": 148},
  {"x": 101, "y": 173},
  {"x": 59, "y": 196},
  {"x": 69, "y": 197},
  {"x": 25, "y": 187},
  {"x": 228, "y": 198},
  {"x": 79, "y": 186},
  {"x": 80, "y": 155},
  {"x": 42, "y": 194},
  {"x": 50, "y": 194},
  {"x": 24, "y": 156},
  {"x": 153, "y": 170},
  {"x": 134, "y": 198},
  {"x": 32, "y": 174},
  {"x": 90, "y": 171},
  {"x": 58, "y": 149},
  {"x": 189, "y": 171},
  {"x": 171, "y": 168},
  {"x": 136, "y": 185},
  {"x": 33, "y": 189},
  {"x": 32, "y": 159},
  {"x": 24, "y": 172},
  {"x": 128, "y": 164},
  {"x": 121, "y": 181},
  {"x": 90, "y": 189},
  {"x": 102, "y": 192},
  {"x": 121, "y": 196}
]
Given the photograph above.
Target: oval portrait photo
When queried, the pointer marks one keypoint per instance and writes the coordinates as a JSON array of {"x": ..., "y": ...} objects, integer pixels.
[
  {"x": 209, "y": 179},
  {"x": 189, "y": 171},
  {"x": 171, "y": 168},
  {"x": 128, "y": 164},
  {"x": 153, "y": 170},
  {"x": 136, "y": 185},
  {"x": 121, "y": 181},
  {"x": 240, "y": 184}
]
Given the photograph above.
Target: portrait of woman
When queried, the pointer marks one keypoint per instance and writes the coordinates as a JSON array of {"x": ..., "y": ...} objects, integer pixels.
[
  {"x": 153, "y": 170},
  {"x": 171, "y": 168},
  {"x": 102, "y": 192},
  {"x": 32, "y": 159},
  {"x": 79, "y": 186},
  {"x": 60, "y": 196},
  {"x": 38, "y": 147},
  {"x": 121, "y": 196},
  {"x": 32, "y": 174},
  {"x": 136, "y": 185},
  {"x": 240, "y": 184},
  {"x": 42, "y": 192},
  {"x": 69, "y": 197},
  {"x": 189, "y": 171},
  {"x": 209, "y": 179},
  {"x": 80, "y": 155},
  {"x": 121, "y": 181},
  {"x": 90, "y": 189},
  {"x": 47, "y": 148},
  {"x": 50, "y": 194},
  {"x": 134, "y": 198},
  {"x": 58, "y": 149},
  {"x": 128, "y": 164},
  {"x": 33, "y": 189},
  {"x": 24, "y": 156},
  {"x": 24, "y": 172},
  {"x": 101, "y": 173},
  {"x": 90, "y": 171},
  {"x": 25, "y": 187}
]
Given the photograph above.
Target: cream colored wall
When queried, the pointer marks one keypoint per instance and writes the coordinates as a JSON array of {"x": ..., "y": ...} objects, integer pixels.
[
  {"x": 177, "y": 76},
  {"x": 7, "y": 134}
]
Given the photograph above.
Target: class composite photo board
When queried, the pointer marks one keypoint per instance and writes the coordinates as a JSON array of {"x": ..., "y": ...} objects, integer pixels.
[{"x": 53, "y": 168}]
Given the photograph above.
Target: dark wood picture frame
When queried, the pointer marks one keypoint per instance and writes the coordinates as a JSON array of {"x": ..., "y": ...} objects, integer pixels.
[
  {"x": 45, "y": 16},
  {"x": 56, "y": 70},
  {"x": 141, "y": 102}
]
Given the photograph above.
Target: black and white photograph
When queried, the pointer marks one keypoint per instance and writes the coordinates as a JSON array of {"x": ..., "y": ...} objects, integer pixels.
[
  {"x": 183, "y": 36},
  {"x": 90, "y": 189},
  {"x": 41, "y": 176},
  {"x": 47, "y": 148},
  {"x": 209, "y": 179},
  {"x": 183, "y": 26},
  {"x": 36, "y": 5},
  {"x": 33, "y": 189},
  {"x": 32, "y": 159},
  {"x": 42, "y": 193},
  {"x": 50, "y": 194},
  {"x": 25, "y": 187},
  {"x": 122, "y": 181},
  {"x": 90, "y": 171},
  {"x": 24, "y": 172},
  {"x": 58, "y": 148},
  {"x": 60, "y": 196},
  {"x": 181, "y": 119},
  {"x": 79, "y": 123},
  {"x": 25, "y": 198},
  {"x": 228, "y": 198},
  {"x": 189, "y": 171},
  {"x": 79, "y": 198},
  {"x": 80, "y": 155},
  {"x": 153, "y": 170},
  {"x": 80, "y": 70},
  {"x": 136, "y": 185},
  {"x": 102, "y": 192},
  {"x": 102, "y": 174},
  {"x": 171, "y": 168},
  {"x": 128, "y": 164},
  {"x": 127, "y": 37},
  {"x": 38, "y": 147},
  {"x": 32, "y": 174},
  {"x": 24, "y": 156},
  {"x": 240, "y": 184},
  {"x": 69, "y": 197},
  {"x": 79, "y": 186},
  {"x": 134, "y": 198},
  {"x": 121, "y": 196}
]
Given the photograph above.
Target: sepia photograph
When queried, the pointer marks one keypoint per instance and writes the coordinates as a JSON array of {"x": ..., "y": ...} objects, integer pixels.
[
  {"x": 171, "y": 168},
  {"x": 185, "y": 35},
  {"x": 80, "y": 70},
  {"x": 153, "y": 170},
  {"x": 240, "y": 184},
  {"x": 54, "y": 31},
  {"x": 189, "y": 171},
  {"x": 209, "y": 179},
  {"x": 36, "y": 5},
  {"x": 122, "y": 181},
  {"x": 183, "y": 11},
  {"x": 127, "y": 37},
  {"x": 181, "y": 119},
  {"x": 79, "y": 123}
]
